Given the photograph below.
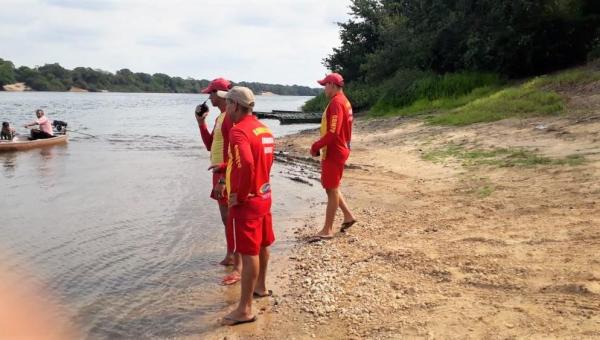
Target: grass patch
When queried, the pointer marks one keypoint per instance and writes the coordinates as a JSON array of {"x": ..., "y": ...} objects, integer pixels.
[
  {"x": 479, "y": 187},
  {"x": 440, "y": 154},
  {"x": 533, "y": 98},
  {"x": 500, "y": 157},
  {"x": 460, "y": 99},
  {"x": 412, "y": 92},
  {"x": 423, "y": 106},
  {"x": 521, "y": 101},
  {"x": 580, "y": 76},
  {"x": 485, "y": 191}
]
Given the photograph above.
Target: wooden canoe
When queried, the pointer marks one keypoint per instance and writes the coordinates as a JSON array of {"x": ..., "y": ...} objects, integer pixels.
[{"x": 22, "y": 142}]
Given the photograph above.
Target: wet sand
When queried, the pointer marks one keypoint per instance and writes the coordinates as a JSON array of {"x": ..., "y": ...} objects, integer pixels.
[{"x": 448, "y": 247}]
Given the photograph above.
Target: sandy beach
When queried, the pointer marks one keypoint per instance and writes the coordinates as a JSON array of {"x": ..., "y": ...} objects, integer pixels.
[
  {"x": 16, "y": 87},
  {"x": 485, "y": 231}
]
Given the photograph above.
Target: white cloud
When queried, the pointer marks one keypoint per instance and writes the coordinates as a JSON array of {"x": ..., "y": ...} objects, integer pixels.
[{"x": 268, "y": 41}]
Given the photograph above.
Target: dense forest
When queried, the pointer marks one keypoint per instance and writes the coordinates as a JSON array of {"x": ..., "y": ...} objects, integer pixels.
[
  {"x": 53, "y": 77},
  {"x": 396, "y": 52}
]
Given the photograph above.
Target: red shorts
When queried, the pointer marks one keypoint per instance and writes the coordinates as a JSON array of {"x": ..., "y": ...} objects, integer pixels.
[
  {"x": 247, "y": 236},
  {"x": 215, "y": 181},
  {"x": 331, "y": 174}
]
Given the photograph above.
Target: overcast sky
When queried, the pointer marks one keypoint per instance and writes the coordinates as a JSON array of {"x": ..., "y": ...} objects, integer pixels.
[{"x": 270, "y": 41}]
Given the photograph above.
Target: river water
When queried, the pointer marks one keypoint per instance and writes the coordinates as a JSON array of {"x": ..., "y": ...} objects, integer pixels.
[{"x": 118, "y": 227}]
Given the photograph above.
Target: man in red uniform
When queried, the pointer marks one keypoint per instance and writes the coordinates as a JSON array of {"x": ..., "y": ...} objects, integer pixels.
[
  {"x": 334, "y": 148},
  {"x": 217, "y": 142},
  {"x": 251, "y": 146}
]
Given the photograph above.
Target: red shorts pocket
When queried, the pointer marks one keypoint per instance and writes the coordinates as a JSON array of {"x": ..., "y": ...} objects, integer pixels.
[
  {"x": 251, "y": 234},
  {"x": 331, "y": 174}
]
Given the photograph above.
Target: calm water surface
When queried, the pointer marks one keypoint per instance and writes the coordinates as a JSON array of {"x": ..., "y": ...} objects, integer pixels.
[{"x": 119, "y": 226}]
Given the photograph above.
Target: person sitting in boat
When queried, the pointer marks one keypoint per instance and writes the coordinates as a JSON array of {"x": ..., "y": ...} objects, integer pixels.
[
  {"x": 45, "y": 130},
  {"x": 8, "y": 132}
]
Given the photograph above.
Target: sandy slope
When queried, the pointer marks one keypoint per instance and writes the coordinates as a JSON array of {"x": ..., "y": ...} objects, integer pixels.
[
  {"x": 446, "y": 250},
  {"x": 16, "y": 87}
]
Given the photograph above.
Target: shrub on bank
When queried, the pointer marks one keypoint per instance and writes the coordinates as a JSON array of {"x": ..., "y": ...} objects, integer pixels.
[
  {"x": 411, "y": 92},
  {"x": 316, "y": 104}
]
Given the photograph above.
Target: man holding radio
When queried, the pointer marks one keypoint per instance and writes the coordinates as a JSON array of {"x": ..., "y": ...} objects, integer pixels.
[{"x": 217, "y": 142}]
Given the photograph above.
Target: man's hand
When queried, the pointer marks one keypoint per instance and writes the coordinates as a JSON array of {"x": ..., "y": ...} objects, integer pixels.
[
  {"x": 314, "y": 152},
  {"x": 233, "y": 200},
  {"x": 219, "y": 190},
  {"x": 201, "y": 113},
  {"x": 214, "y": 168}
]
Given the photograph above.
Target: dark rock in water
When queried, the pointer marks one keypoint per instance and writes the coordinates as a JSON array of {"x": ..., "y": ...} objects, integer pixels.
[{"x": 300, "y": 180}]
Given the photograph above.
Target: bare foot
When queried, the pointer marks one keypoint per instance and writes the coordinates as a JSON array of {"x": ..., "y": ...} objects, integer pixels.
[
  {"x": 236, "y": 318},
  {"x": 258, "y": 294},
  {"x": 227, "y": 261},
  {"x": 325, "y": 232}
]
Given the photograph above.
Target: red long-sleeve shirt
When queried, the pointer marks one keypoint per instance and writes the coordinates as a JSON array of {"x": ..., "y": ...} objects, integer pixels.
[
  {"x": 336, "y": 130},
  {"x": 208, "y": 137},
  {"x": 249, "y": 167}
]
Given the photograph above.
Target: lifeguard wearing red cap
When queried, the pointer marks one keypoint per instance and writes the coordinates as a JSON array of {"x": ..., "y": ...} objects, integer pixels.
[
  {"x": 219, "y": 84},
  {"x": 332, "y": 78}
]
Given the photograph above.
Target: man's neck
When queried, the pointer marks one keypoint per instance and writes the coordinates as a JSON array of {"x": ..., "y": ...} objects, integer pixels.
[
  {"x": 222, "y": 107},
  {"x": 243, "y": 116},
  {"x": 336, "y": 93}
]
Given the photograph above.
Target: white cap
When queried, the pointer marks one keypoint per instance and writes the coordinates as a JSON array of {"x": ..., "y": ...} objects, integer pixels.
[{"x": 241, "y": 95}]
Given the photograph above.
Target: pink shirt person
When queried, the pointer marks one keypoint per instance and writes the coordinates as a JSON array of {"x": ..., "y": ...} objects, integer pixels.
[{"x": 44, "y": 124}]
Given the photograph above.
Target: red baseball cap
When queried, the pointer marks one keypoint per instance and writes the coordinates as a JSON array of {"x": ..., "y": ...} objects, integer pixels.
[
  {"x": 219, "y": 84},
  {"x": 333, "y": 78}
]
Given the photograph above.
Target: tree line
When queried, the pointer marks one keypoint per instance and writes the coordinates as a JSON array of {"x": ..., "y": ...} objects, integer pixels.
[
  {"x": 54, "y": 77},
  {"x": 388, "y": 46}
]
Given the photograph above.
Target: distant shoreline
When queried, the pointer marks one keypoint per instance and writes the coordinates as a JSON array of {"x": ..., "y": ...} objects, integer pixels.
[
  {"x": 21, "y": 87},
  {"x": 55, "y": 78}
]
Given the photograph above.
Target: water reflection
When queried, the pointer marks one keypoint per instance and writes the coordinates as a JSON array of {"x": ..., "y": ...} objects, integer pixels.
[
  {"x": 47, "y": 154},
  {"x": 51, "y": 164},
  {"x": 9, "y": 164}
]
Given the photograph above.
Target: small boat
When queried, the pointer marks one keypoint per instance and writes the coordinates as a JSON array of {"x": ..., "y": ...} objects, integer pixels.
[{"x": 22, "y": 142}]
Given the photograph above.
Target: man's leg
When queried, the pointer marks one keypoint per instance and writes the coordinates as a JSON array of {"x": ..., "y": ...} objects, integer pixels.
[
  {"x": 34, "y": 134},
  {"x": 249, "y": 277},
  {"x": 237, "y": 263},
  {"x": 224, "y": 210},
  {"x": 332, "y": 206},
  {"x": 236, "y": 273},
  {"x": 261, "y": 284},
  {"x": 348, "y": 217}
]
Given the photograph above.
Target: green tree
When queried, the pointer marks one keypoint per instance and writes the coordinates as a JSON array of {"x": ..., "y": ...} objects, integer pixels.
[
  {"x": 360, "y": 36},
  {"x": 7, "y": 72},
  {"x": 512, "y": 37}
]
